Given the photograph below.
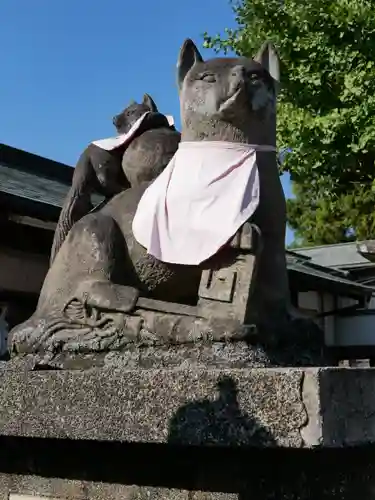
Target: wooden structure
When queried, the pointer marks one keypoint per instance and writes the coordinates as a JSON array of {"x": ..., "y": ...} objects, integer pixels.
[{"x": 32, "y": 190}]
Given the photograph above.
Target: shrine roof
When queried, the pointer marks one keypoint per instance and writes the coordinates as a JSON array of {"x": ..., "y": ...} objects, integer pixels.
[
  {"x": 336, "y": 281},
  {"x": 31, "y": 184}
]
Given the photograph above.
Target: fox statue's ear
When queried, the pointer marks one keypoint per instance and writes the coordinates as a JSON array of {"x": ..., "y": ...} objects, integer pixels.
[
  {"x": 188, "y": 57},
  {"x": 268, "y": 57},
  {"x": 150, "y": 103}
]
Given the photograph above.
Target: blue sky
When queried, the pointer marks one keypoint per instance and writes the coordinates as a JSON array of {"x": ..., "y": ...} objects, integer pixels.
[{"x": 67, "y": 66}]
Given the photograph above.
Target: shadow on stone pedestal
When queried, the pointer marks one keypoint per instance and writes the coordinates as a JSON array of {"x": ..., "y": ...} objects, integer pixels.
[
  {"x": 175, "y": 434},
  {"x": 94, "y": 470}
]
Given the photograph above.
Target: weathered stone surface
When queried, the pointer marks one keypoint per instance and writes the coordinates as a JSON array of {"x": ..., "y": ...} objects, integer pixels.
[
  {"x": 192, "y": 355},
  {"x": 226, "y": 407},
  {"x": 34, "y": 487},
  {"x": 347, "y": 400},
  {"x": 121, "y": 434},
  {"x": 295, "y": 408}
]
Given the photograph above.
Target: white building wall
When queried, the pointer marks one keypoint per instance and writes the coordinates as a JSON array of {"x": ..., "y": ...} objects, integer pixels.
[{"x": 338, "y": 330}]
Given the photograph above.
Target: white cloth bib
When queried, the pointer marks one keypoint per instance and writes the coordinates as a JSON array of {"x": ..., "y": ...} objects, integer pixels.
[
  {"x": 200, "y": 200},
  {"x": 119, "y": 140}
]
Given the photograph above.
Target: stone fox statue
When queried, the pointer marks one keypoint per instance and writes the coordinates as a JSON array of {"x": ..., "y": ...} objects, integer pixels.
[
  {"x": 101, "y": 269},
  {"x": 100, "y": 170}
]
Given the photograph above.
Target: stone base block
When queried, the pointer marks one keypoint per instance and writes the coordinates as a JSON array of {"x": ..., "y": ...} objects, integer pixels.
[
  {"x": 246, "y": 434},
  {"x": 296, "y": 408}
]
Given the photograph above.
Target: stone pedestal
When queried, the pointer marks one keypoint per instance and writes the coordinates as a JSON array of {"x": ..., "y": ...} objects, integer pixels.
[{"x": 188, "y": 434}]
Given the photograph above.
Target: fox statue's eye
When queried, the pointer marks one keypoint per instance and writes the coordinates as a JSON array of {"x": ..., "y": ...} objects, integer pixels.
[{"x": 208, "y": 77}]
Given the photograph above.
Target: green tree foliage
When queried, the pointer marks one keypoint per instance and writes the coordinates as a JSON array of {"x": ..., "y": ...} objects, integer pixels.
[
  {"x": 324, "y": 220},
  {"x": 326, "y": 112}
]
